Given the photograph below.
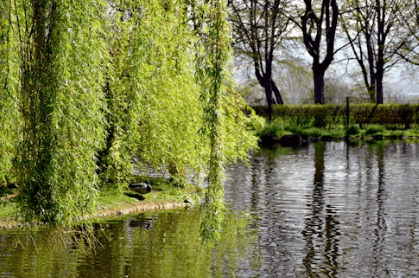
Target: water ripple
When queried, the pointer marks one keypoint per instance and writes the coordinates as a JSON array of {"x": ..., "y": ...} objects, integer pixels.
[{"x": 333, "y": 210}]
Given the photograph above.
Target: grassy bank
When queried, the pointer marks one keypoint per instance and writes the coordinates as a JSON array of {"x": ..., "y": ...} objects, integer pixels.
[
  {"x": 166, "y": 193},
  {"x": 331, "y": 116},
  {"x": 330, "y": 121},
  {"x": 278, "y": 128}
]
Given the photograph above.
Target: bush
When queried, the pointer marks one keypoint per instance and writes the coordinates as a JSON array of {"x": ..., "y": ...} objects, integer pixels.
[
  {"x": 312, "y": 132},
  {"x": 293, "y": 128},
  {"x": 384, "y": 113},
  {"x": 321, "y": 116},
  {"x": 374, "y": 129},
  {"x": 352, "y": 130},
  {"x": 272, "y": 129}
]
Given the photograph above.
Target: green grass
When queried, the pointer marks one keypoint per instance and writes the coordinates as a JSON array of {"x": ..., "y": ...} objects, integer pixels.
[
  {"x": 162, "y": 190},
  {"x": 375, "y": 129},
  {"x": 167, "y": 189},
  {"x": 7, "y": 209},
  {"x": 352, "y": 130},
  {"x": 337, "y": 133},
  {"x": 111, "y": 198},
  {"x": 272, "y": 129},
  {"x": 313, "y": 132},
  {"x": 278, "y": 128},
  {"x": 330, "y": 120}
]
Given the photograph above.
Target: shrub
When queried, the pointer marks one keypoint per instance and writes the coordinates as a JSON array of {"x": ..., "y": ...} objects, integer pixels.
[
  {"x": 293, "y": 128},
  {"x": 312, "y": 132},
  {"x": 352, "y": 130},
  {"x": 322, "y": 116},
  {"x": 272, "y": 129},
  {"x": 374, "y": 129}
]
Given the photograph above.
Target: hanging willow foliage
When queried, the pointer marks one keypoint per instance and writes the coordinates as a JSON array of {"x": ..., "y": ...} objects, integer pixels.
[
  {"x": 9, "y": 75},
  {"x": 158, "y": 111},
  {"x": 78, "y": 101},
  {"x": 64, "y": 58},
  {"x": 213, "y": 55},
  {"x": 155, "y": 113}
]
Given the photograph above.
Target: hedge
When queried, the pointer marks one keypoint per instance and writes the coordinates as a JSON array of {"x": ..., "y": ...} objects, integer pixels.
[{"x": 330, "y": 115}]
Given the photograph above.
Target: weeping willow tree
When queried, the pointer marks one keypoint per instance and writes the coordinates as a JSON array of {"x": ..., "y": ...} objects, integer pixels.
[
  {"x": 154, "y": 111},
  {"x": 171, "y": 100},
  {"x": 163, "y": 112},
  {"x": 79, "y": 104},
  {"x": 54, "y": 72}
]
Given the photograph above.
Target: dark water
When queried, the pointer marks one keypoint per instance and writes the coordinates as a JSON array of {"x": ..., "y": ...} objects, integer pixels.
[{"x": 327, "y": 210}]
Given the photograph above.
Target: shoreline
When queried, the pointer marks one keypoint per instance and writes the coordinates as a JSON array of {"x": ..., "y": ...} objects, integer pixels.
[
  {"x": 110, "y": 202},
  {"x": 295, "y": 140},
  {"x": 124, "y": 209}
]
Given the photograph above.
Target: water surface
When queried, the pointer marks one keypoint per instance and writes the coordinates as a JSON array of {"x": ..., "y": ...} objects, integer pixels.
[
  {"x": 333, "y": 210},
  {"x": 325, "y": 210}
]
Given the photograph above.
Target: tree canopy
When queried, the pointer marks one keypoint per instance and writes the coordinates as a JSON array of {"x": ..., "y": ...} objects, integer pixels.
[{"x": 377, "y": 36}]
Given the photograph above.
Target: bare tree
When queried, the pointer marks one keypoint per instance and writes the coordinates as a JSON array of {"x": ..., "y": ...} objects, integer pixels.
[
  {"x": 259, "y": 27},
  {"x": 409, "y": 19},
  {"x": 376, "y": 36},
  {"x": 318, "y": 24}
]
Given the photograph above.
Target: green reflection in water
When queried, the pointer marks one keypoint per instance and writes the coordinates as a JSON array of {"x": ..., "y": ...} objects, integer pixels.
[
  {"x": 164, "y": 244},
  {"x": 276, "y": 151}
]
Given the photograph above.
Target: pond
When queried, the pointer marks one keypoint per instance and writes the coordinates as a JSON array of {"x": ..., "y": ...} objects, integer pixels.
[{"x": 325, "y": 210}]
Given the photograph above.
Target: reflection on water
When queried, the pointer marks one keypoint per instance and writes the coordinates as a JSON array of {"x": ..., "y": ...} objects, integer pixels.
[
  {"x": 164, "y": 244},
  {"x": 325, "y": 210},
  {"x": 332, "y": 210}
]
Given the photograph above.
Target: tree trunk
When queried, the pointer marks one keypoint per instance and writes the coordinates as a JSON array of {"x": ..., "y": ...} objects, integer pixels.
[
  {"x": 379, "y": 88},
  {"x": 379, "y": 77},
  {"x": 268, "y": 92},
  {"x": 268, "y": 84},
  {"x": 371, "y": 93},
  {"x": 318, "y": 86},
  {"x": 277, "y": 93},
  {"x": 101, "y": 161}
]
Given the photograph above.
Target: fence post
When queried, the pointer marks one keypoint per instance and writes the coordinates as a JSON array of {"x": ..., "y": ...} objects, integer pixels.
[{"x": 347, "y": 112}]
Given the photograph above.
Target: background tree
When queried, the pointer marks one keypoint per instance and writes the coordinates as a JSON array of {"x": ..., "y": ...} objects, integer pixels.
[
  {"x": 376, "y": 37},
  {"x": 259, "y": 28},
  {"x": 291, "y": 74},
  {"x": 408, "y": 18},
  {"x": 318, "y": 24}
]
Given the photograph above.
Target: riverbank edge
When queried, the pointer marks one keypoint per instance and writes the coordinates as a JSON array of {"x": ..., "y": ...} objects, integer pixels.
[
  {"x": 295, "y": 140},
  {"x": 122, "y": 210}
]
